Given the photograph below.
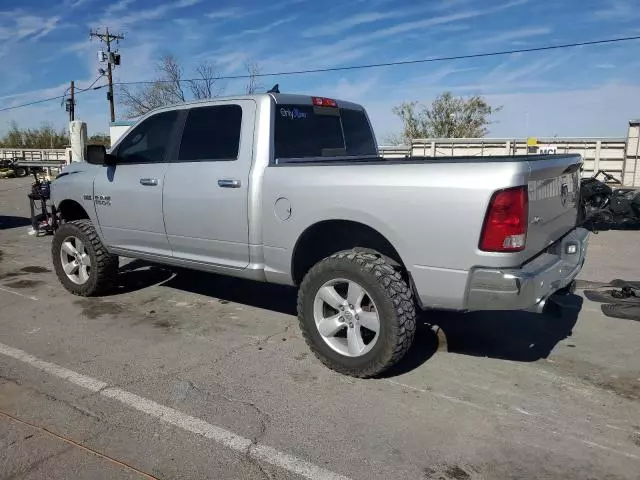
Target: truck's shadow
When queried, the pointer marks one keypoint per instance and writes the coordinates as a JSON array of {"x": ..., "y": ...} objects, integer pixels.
[
  {"x": 516, "y": 336},
  {"x": 10, "y": 221}
]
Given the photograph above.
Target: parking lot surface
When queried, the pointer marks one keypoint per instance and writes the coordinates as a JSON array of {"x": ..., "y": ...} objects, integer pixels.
[{"x": 181, "y": 374}]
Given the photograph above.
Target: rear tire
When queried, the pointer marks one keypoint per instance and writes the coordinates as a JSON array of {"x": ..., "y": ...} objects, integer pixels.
[
  {"x": 21, "y": 172},
  {"x": 334, "y": 318},
  {"x": 82, "y": 263}
]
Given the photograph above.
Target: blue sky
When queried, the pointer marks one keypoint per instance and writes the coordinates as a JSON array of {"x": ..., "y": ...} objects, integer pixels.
[{"x": 586, "y": 91}]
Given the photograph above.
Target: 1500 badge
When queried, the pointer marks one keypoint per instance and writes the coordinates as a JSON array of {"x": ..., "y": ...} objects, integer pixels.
[{"x": 104, "y": 200}]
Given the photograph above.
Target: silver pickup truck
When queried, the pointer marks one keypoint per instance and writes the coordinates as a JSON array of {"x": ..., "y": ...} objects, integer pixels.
[{"x": 290, "y": 189}]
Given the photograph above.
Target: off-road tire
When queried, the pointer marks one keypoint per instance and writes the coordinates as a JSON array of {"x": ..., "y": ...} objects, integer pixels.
[
  {"x": 393, "y": 299},
  {"x": 104, "y": 266}
]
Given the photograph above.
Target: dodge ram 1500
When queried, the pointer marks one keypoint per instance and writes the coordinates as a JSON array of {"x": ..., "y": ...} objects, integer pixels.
[{"x": 290, "y": 189}]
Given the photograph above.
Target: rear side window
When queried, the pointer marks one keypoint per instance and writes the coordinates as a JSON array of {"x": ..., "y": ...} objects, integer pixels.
[
  {"x": 211, "y": 133},
  {"x": 357, "y": 133},
  {"x": 303, "y": 131}
]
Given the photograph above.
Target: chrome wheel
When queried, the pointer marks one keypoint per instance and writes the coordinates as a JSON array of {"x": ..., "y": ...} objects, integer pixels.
[
  {"x": 346, "y": 317},
  {"x": 76, "y": 262}
]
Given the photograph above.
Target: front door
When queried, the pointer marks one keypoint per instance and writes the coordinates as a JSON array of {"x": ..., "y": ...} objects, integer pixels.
[
  {"x": 206, "y": 188},
  {"x": 128, "y": 196}
]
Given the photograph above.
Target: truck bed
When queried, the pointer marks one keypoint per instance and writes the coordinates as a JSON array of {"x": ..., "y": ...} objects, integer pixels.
[{"x": 443, "y": 202}]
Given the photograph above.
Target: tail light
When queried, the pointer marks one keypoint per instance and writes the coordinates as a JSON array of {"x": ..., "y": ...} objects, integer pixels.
[
  {"x": 324, "y": 102},
  {"x": 505, "y": 226}
]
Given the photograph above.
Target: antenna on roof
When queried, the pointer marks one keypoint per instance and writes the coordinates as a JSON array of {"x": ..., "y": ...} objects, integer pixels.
[{"x": 275, "y": 89}]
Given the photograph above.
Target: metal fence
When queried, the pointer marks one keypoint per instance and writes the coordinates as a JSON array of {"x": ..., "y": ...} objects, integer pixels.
[
  {"x": 608, "y": 154},
  {"x": 34, "y": 154}
]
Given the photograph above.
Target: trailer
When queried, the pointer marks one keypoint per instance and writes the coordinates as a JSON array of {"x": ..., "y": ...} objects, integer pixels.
[{"x": 19, "y": 167}]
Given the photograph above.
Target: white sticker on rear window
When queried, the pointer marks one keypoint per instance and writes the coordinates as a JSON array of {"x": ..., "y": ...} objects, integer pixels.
[{"x": 292, "y": 113}]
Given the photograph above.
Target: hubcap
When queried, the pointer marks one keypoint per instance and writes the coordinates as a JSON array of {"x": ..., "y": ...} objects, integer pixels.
[
  {"x": 346, "y": 317},
  {"x": 76, "y": 262}
]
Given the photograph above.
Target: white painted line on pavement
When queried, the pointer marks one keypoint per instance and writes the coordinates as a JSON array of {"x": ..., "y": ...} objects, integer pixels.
[
  {"x": 35, "y": 299},
  {"x": 181, "y": 420},
  {"x": 61, "y": 372}
]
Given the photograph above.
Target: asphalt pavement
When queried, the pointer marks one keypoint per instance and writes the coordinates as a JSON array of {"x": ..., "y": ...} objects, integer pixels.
[{"x": 185, "y": 375}]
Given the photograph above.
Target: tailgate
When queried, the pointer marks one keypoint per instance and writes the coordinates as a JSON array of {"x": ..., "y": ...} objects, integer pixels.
[{"x": 554, "y": 199}]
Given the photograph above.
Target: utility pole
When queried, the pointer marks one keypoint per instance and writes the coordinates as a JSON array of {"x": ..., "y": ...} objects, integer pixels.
[
  {"x": 72, "y": 106},
  {"x": 112, "y": 59},
  {"x": 71, "y": 102}
]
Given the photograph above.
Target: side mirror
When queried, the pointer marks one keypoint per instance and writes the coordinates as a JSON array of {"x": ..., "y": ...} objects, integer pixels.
[{"x": 97, "y": 155}]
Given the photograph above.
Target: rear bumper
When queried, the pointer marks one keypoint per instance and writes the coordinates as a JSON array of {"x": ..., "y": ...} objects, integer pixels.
[{"x": 528, "y": 287}]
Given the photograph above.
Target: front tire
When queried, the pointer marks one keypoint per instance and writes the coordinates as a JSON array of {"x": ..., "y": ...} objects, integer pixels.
[
  {"x": 21, "y": 172},
  {"x": 356, "y": 313},
  {"x": 82, "y": 263}
]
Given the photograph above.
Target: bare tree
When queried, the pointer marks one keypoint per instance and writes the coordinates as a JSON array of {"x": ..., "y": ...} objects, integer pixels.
[
  {"x": 168, "y": 89},
  {"x": 206, "y": 85},
  {"x": 253, "y": 83},
  {"x": 447, "y": 117}
]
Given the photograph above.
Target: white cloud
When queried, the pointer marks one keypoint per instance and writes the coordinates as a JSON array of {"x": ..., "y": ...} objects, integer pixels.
[
  {"x": 225, "y": 14},
  {"x": 511, "y": 35},
  {"x": 75, "y": 3},
  {"x": 260, "y": 30},
  {"x": 119, "y": 6},
  {"x": 338, "y": 26},
  {"x": 16, "y": 25},
  {"x": 113, "y": 19},
  {"x": 618, "y": 10}
]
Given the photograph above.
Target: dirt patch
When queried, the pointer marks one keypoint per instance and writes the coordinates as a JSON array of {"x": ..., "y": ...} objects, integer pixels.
[
  {"x": 24, "y": 283},
  {"x": 163, "y": 323},
  {"x": 627, "y": 386},
  {"x": 11, "y": 275},
  {"x": 35, "y": 269},
  {"x": 93, "y": 308},
  {"x": 303, "y": 377},
  {"x": 624, "y": 384},
  {"x": 446, "y": 472}
]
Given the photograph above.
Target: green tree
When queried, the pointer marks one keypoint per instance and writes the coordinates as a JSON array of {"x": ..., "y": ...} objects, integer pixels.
[
  {"x": 447, "y": 117},
  {"x": 43, "y": 137},
  {"x": 100, "y": 139}
]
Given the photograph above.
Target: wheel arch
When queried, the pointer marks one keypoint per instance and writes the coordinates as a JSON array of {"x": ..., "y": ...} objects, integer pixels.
[
  {"x": 71, "y": 210},
  {"x": 323, "y": 239}
]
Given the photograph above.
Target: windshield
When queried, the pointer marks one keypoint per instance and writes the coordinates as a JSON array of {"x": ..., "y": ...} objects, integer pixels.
[{"x": 305, "y": 131}]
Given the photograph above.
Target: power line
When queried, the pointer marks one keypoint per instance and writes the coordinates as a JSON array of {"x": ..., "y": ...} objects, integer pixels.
[
  {"x": 355, "y": 67},
  {"x": 90, "y": 86},
  {"x": 405, "y": 62},
  {"x": 59, "y": 97},
  {"x": 33, "y": 103}
]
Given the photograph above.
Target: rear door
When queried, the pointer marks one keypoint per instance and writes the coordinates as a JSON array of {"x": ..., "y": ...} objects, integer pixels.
[
  {"x": 554, "y": 199},
  {"x": 206, "y": 186},
  {"x": 128, "y": 196}
]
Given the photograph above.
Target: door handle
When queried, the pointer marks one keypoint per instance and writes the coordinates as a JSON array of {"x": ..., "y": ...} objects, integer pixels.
[
  {"x": 150, "y": 182},
  {"x": 229, "y": 183}
]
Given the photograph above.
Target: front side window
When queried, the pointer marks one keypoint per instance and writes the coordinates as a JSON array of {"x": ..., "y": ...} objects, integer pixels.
[
  {"x": 148, "y": 142},
  {"x": 212, "y": 133}
]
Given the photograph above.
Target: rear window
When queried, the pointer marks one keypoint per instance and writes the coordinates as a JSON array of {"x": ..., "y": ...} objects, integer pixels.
[{"x": 303, "y": 131}]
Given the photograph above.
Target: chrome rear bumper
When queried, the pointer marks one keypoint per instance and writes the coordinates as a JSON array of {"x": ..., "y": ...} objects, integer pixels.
[{"x": 529, "y": 287}]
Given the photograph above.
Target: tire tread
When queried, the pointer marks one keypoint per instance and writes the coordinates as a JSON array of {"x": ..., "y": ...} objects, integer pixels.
[
  {"x": 395, "y": 287},
  {"x": 106, "y": 266}
]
